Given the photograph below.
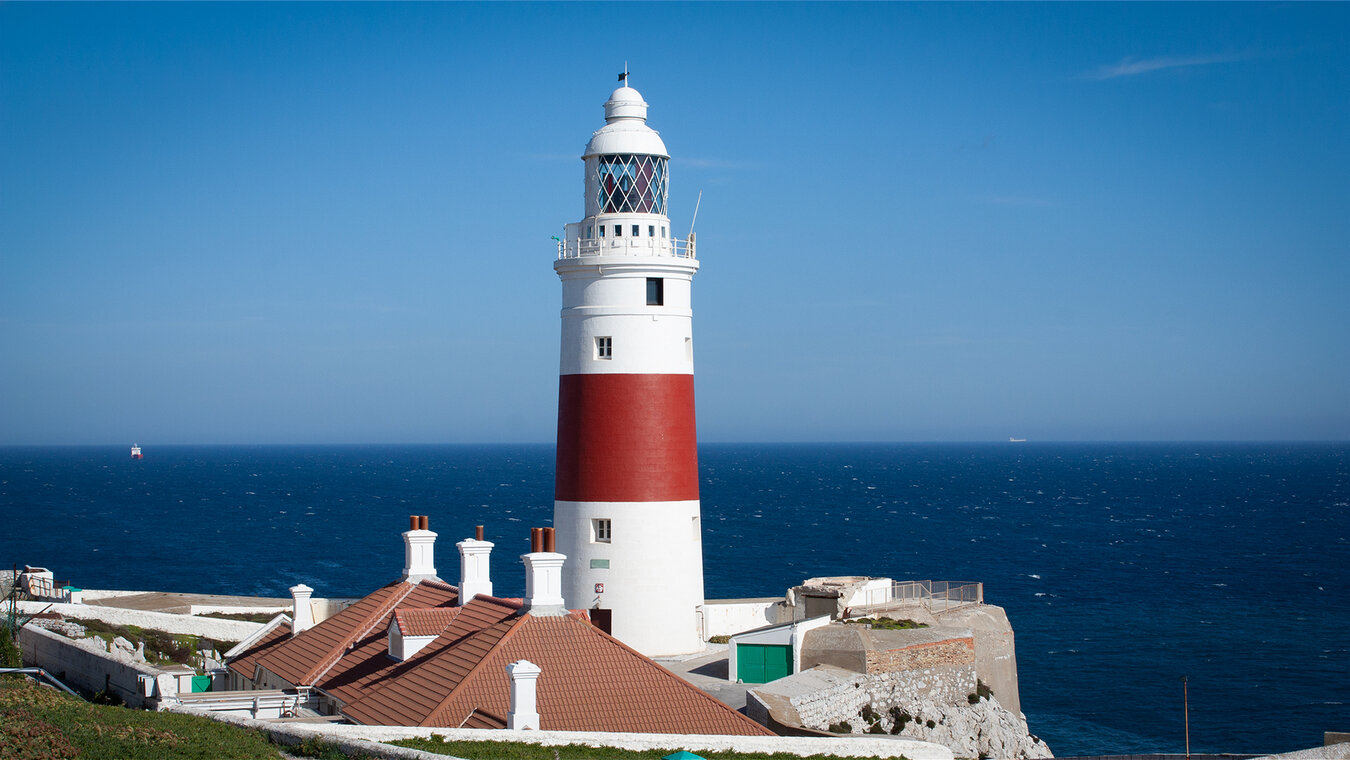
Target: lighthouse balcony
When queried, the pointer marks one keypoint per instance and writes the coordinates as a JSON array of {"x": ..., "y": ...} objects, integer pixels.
[{"x": 630, "y": 246}]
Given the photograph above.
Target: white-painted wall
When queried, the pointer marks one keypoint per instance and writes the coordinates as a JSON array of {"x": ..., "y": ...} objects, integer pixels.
[
  {"x": 654, "y": 583},
  {"x": 356, "y": 738},
  {"x": 724, "y": 617},
  {"x": 607, "y": 298},
  {"x": 86, "y": 664}
]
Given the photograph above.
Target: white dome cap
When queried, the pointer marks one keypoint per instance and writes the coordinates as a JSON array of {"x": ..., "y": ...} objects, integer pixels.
[
  {"x": 625, "y": 103},
  {"x": 626, "y": 129}
]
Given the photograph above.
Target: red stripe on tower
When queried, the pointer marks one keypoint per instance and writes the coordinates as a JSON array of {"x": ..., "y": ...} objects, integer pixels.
[{"x": 626, "y": 438}]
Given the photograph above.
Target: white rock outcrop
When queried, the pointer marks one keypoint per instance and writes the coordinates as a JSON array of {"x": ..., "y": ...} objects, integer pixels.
[{"x": 984, "y": 729}]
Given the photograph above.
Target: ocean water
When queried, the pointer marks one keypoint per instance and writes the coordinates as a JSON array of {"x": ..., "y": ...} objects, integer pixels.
[{"x": 1123, "y": 567}]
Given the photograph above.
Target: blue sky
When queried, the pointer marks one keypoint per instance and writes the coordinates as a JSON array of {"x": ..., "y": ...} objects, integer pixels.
[{"x": 266, "y": 223}]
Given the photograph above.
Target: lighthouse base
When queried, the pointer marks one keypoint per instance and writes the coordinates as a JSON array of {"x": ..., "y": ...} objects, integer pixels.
[{"x": 641, "y": 561}]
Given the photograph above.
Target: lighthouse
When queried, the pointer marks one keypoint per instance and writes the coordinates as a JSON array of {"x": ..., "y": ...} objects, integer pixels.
[{"x": 626, "y": 506}]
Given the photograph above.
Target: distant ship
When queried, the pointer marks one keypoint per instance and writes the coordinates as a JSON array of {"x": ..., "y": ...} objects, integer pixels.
[
  {"x": 1017, "y": 440},
  {"x": 136, "y": 451}
]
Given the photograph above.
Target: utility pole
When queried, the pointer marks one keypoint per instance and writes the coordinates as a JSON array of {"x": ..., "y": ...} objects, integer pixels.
[{"x": 1186, "y": 711}]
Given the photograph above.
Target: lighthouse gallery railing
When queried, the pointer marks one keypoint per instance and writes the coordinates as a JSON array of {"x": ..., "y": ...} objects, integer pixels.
[{"x": 626, "y": 246}]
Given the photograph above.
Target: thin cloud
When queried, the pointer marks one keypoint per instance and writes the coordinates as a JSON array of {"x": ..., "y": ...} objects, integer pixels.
[{"x": 1129, "y": 67}]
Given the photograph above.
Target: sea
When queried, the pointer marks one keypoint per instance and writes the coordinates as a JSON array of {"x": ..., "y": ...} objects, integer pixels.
[{"x": 1124, "y": 567}]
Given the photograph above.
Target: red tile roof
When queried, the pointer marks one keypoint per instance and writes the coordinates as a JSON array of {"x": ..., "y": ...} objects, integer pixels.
[
  {"x": 590, "y": 681},
  {"x": 244, "y": 662},
  {"x": 425, "y": 621},
  {"x": 313, "y": 656}
]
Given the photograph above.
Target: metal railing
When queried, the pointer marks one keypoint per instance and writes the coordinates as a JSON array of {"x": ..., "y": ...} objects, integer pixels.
[
  {"x": 937, "y": 596},
  {"x": 626, "y": 246}
]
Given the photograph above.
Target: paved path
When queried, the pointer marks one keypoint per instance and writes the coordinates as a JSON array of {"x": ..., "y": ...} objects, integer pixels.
[{"x": 708, "y": 671}]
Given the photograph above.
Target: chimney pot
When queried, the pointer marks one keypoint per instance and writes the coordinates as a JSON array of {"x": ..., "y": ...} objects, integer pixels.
[
  {"x": 478, "y": 533},
  {"x": 419, "y": 552},
  {"x": 549, "y": 543},
  {"x": 412, "y": 522}
]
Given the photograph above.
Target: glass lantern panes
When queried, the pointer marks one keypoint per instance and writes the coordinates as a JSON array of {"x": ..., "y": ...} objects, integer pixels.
[{"x": 631, "y": 183}]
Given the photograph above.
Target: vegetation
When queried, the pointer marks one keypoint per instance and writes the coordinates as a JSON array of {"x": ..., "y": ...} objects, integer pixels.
[
  {"x": 160, "y": 648},
  {"x": 40, "y": 723},
  {"x": 249, "y": 617},
  {"x": 719, "y": 640},
  {"x": 982, "y": 691},
  {"x": 842, "y": 727},
  {"x": 899, "y": 719},
  {"x": 491, "y": 750},
  {"x": 887, "y": 624},
  {"x": 9, "y": 649}
]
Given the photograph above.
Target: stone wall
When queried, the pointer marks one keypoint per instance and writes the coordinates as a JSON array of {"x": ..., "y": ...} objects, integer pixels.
[
  {"x": 952, "y": 652},
  {"x": 844, "y": 698},
  {"x": 85, "y": 664}
]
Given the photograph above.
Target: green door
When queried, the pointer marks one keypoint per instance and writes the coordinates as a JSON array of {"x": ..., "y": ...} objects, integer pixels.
[
  {"x": 201, "y": 683},
  {"x": 762, "y": 663}
]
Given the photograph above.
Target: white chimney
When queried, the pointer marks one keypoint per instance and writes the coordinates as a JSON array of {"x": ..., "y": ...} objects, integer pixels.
[
  {"x": 524, "y": 710},
  {"x": 543, "y": 583},
  {"x": 419, "y": 545},
  {"x": 302, "y": 617},
  {"x": 474, "y": 578}
]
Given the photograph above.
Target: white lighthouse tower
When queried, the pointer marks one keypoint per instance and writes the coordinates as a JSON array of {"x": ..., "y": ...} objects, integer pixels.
[{"x": 626, "y": 507}]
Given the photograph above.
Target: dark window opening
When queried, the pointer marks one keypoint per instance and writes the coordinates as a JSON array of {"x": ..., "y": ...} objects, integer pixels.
[
  {"x": 656, "y": 291},
  {"x": 618, "y": 230}
]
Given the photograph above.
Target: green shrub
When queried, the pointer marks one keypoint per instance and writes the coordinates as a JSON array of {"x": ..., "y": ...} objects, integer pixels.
[
  {"x": 842, "y": 727},
  {"x": 10, "y": 657},
  {"x": 719, "y": 640},
  {"x": 930, "y": 723},
  {"x": 876, "y": 729}
]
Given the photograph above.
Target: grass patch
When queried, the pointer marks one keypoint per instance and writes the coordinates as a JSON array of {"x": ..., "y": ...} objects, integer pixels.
[
  {"x": 39, "y": 723},
  {"x": 248, "y": 617},
  {"x": 887, "y": 624},
  {"x": 719, "y": 640},
  {"x": 490, "y": 750}
]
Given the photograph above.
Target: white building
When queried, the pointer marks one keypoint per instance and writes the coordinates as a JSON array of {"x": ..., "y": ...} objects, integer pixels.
[{"x": 626, "y": 503}]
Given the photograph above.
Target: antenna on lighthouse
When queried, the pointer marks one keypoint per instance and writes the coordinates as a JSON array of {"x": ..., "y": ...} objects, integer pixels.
[{"x": 694, "y": 221}]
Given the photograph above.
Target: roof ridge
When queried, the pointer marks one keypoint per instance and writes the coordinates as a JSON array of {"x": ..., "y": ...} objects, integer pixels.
[
  {"x": 515, "y": 626},
  {"x": 359, "y": 632},
  {"x": 500, "y": 601}
]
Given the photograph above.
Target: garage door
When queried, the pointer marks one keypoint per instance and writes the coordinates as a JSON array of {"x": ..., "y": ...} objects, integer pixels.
[{"x": 761, "y": 663}]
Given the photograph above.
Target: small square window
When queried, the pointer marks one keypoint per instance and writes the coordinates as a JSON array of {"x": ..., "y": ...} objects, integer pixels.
[
  {"x": 656, "y": 291},
  {"x": 601, "y": 531},
  {"x": 604, "y": 347},
  {"x": 635, "y": 231},
  {"x": 618, "y": 230},
  {"x": 651, "y": 230}
]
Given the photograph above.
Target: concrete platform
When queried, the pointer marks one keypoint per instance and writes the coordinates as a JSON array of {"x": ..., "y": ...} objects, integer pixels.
[{"x": 182, "y": 604}]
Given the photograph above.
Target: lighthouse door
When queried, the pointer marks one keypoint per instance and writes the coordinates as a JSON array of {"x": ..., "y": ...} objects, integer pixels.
[{"x": 602, "y": 619}]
